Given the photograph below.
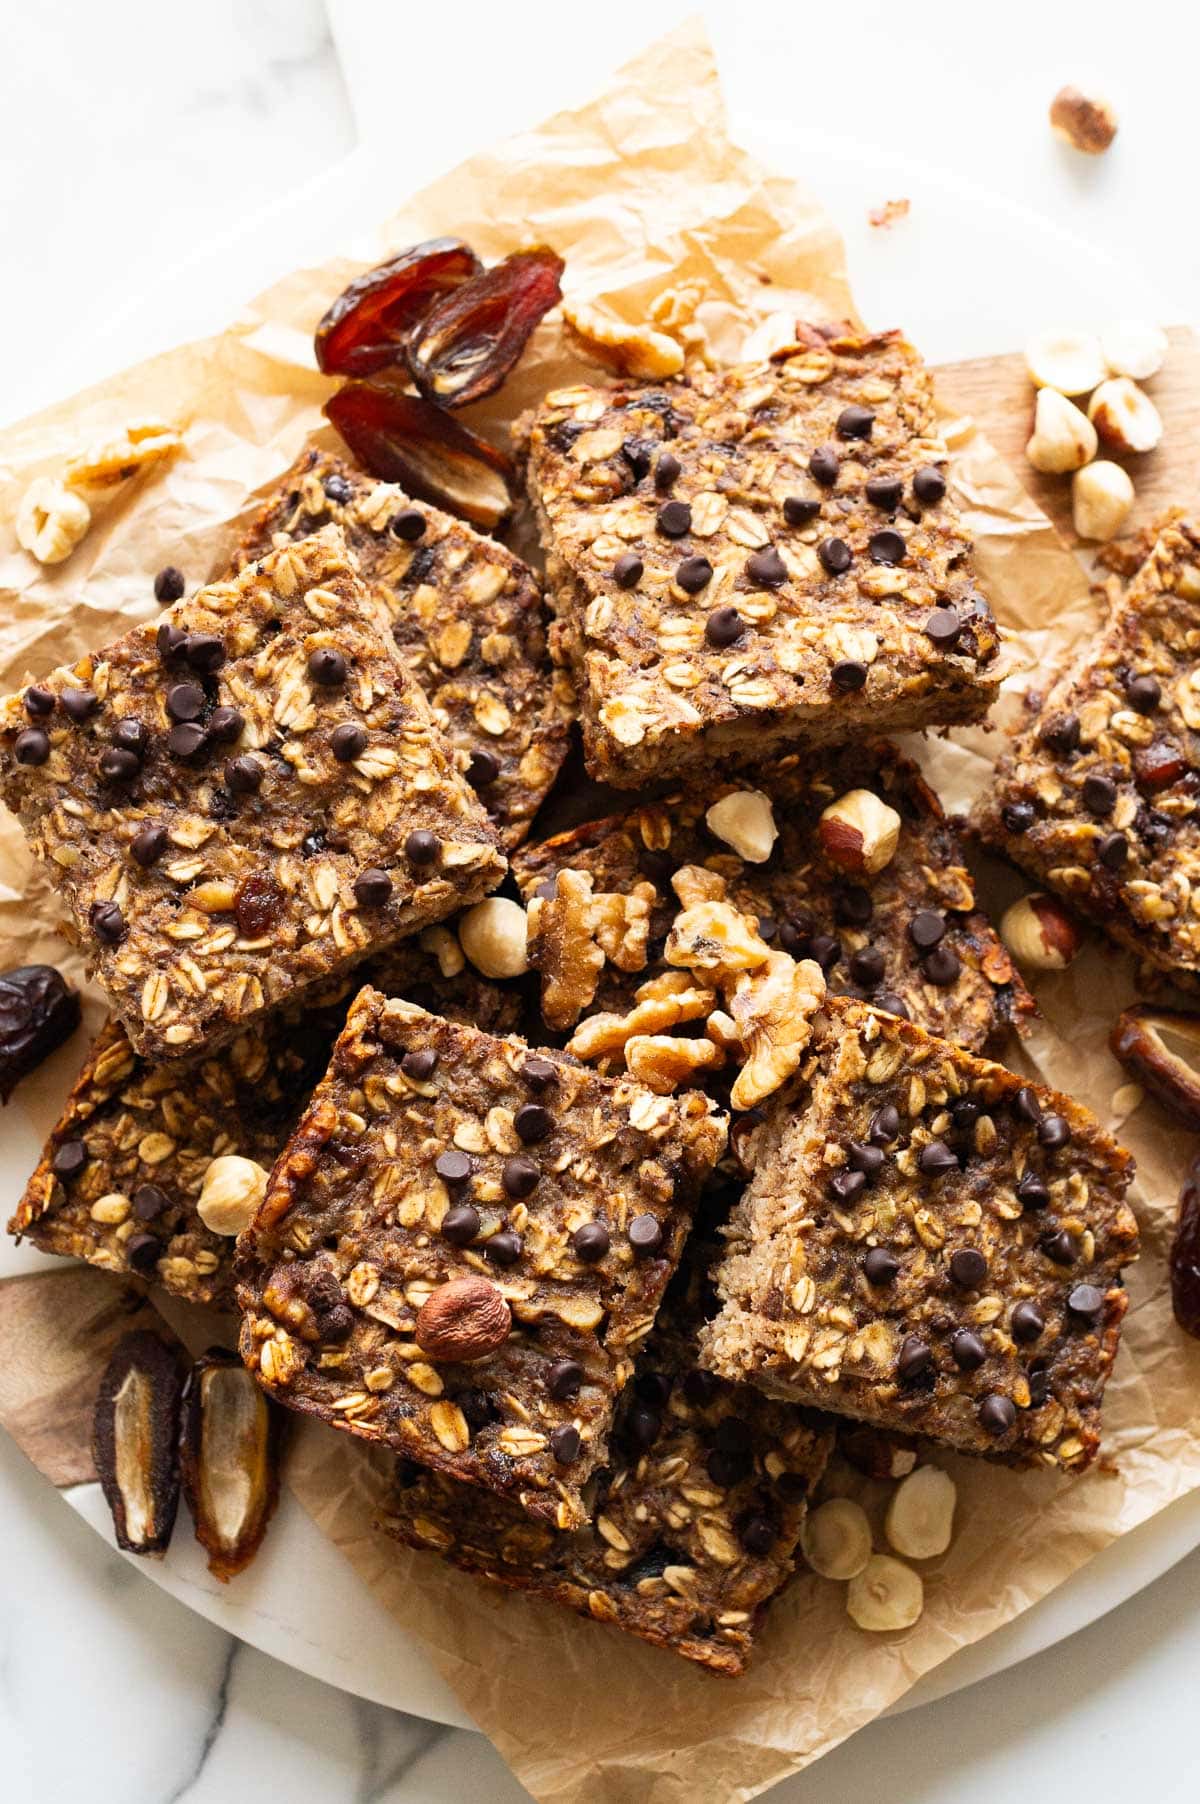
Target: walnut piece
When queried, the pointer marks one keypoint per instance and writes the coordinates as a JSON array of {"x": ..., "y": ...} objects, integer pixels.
[
  {"x": 604, "y": 1034},
  {"x": 629, "y": 350},
  {"x": 564, "y": 949},
  {"x": 773, "y": 1009},
  {"x": 1084, "y": 121},
  {"x": 51, "y": 520},
  {"x": 109, "y": 461},
  {"x": 622, "y": 925},
  {"x": 662, "y": 1062},
  {"x": 715, "y": 937}
]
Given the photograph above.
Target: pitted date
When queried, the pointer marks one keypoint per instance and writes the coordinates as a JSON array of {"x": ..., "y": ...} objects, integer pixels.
[
  {"x": 465, "y": 347},
  {"x": 402, "y": 438},
  {"x": 135, "y": 1440},
  {"x": 230, "y": 1459},
  {"x": 366, "y": 327},
  {"x": 38, "y": 1011},
  {"x": 1185, "y": 1255}
]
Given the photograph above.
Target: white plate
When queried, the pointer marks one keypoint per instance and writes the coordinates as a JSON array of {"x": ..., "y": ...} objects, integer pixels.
[{"x": 330, "y": 1626}]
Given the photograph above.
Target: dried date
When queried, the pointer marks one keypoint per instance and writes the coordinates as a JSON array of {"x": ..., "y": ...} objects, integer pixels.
[
  {"x": 135, "y": 1440},
  {"x": 1161, "y": 1048},
  {"x": 1185, "y": 1255},
  {"x": 402, "y": 438},
  {"x": 38, "y": 1011},
  {"x": 468, "y": 343},
  {"x": 230, "y": 1460},
  {"x": 366, "y": 327}
]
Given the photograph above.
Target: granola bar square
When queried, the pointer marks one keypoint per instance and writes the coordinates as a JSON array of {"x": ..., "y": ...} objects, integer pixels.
[
  {"x": 930, "y": 1245},
  {"x": 244, "y": 800},
  {"x": 464, "y": 1246},
  {"x": 466, "y": 615},
  {"x": 758, "y": 557}
]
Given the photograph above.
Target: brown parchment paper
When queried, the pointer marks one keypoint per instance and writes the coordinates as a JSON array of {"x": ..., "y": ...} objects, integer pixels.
[{"x": 641, "y": 191}]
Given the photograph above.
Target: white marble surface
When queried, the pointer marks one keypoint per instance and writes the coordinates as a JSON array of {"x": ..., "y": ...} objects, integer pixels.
[{"x": 137, "y": 133}]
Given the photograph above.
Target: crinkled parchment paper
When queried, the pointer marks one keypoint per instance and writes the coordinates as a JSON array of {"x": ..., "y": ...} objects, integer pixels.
[{"x": 641, "y": 191}]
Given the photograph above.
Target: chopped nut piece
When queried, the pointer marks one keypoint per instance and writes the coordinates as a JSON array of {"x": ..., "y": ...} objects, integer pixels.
[
  {"x": 1067, "y": 360},
  {"x": 51, "y": 520},
  {"x": 494, "y": 936},
  {"x": 663, "y": 1063},
  {"x": 889, "y": 212},
  {"x": 1101, "y": 500},
  {"x": 1084, "y": 121},
  {"x": 885, "y": 1595},
  {"x": 136, "y": 447},
  {"x": 1124, "y": 417},
  {"x": 630, "y": 350},
  {"x": 859, "y": 833},
  {"x": 1040, "y": 933},
  {"x": 231, "y": 1192},
  {"x": 715, "y": 938},
  {"x": 1064, "y": 438},
  {"x": 745, "y": 821},
  {"x": 836, "y": 1538},
  {"x": 1134, "y": 348},
  {"x": 772, "y": 1008},
  {"x": 563, "y": 947},
  {"x": 920, "y": 1515}
]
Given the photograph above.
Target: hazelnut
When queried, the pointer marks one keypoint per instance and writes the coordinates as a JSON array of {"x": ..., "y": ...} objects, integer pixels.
[
  {"x": 1124, "y": 417},
  {"x": 1063, "y": 436},
  {"x": 1040, "y": 933},
  {"x": 232, "y": 1190},
  {"x": 920, "y": 1516},
  {"x": 494, "y": 936},
  {"x": 465, "y": 1319},
  {"x": 1084, "y": 121},
  {"x": 1069, "y": 361},
  {"x": 1133, "y": 348},
  {"x": 1101, "y": 500},
  {"x": 745, "y": 820},
  {"x": 51, "y": 520},
  {"x": 859, "y": 833},
  {"x": 885, "y": 1595},
  {"x": 836, "y": 1538},
  {"x": 441, "y": 944}
]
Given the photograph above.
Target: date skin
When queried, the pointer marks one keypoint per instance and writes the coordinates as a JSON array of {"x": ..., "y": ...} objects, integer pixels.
[
  {"x": 38, "y": 1011},
  {"x": 405, "y": 439},
  {"x": 466, "y": 346},
  {"x": 366, "y": 327}
]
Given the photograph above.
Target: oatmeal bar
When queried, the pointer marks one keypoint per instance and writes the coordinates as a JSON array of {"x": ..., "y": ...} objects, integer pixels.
[
  {"x": 930, "y": 1245},
  {"x": 463, "y": 1247},
  {"x": 466, "y": 615},
  {"x": 244, "y": 800},
  {"x": 908, "y": 936},
  {"x": 1096, "y": 798},
  {"x": 695, "y": 1523},
  {"x": 123, "y": 1169},
  {"x": 758, "y": 557}
]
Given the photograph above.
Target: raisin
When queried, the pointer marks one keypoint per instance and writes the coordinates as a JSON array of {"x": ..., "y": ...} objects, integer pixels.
[
  {"x": 469, "y": 342},
  {"x": 404, "y": 439},
  {"x": 1185, "y": 1255},
  {"x": 257, "y": 904},
  {"x": 37, "y": 1013},
  {"x": 366, "y": 327},
  {"x": 1159, "y": 765}
]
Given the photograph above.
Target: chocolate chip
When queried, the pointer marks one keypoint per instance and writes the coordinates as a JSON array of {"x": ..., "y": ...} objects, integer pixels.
[
  {"x": 936, "y": 1159},
  {"x": 419, "y": 1064},
  {"x": 732, "y": 1435},
  {"x": 997, "y": 1414},
  {"x": 1113, "y": 851},
  {"x": 348, "y": 742},
  {"x": 867, "y": 967},
  {"x": 1054, "y": 1132},
  {"x": 244, "y": 775},
  {"x": 914, "y": 1360},
  {"x": 422, "y": 848},
  {"x": 483, "y": 769},
  {"x": 968, "y": 1268},
  {"x": 108, "y": 923},
  {"x": 1086, "y": 1301},
  {"x": 848, "y": 674},
  {"x": 674, "y": 519},
  {"x": 846, "y": 1186},
  {"x": 867, "y": 1159},
  {"x": 1062, "y": 1247},
  {"x": 1099, "y": 795},
  {"x": 1026, "y": 1107},
  {"x": 168, "y": 585},
  {"x": 453, "y": 1166},
  {"x": 942, "y": 966},
  {"x": 727, "y": 1469},
  {"x": 1039, "y": 1385},
  {"x": 591, "y": 1242},
  {"x": 186, "y": 740},
  {"x": 460, "y": 1225},
  {"x": 327, "y": 667},
  {"x": 337, "y": 489},
  {"x": 643, "y": 1426},
  {"x": 1018, "y": 817},
  {"x": 823, "y": 466},
  {"x": 757, "y": 1536},
  {"x": 149, "y": 845},
  {"x": 539, "y": 1074},
  {"x": 1143, "y": 693},
  {"x": 563, "y": 1379},
  {"x": 372, "y": 888},
  {"x": 826, "y": 950},
  {"x": 700, "y": 1387},
  {"x": 149, "y": 1202},
  {"x": 967, "y": 1351},
  {"x": 1032, "y": 1192},
  {"x": 204, "y": 653},
  {"x": 884, "y": 1126},
  {"x": 185, "y": 701},
  {"x": 169, "y": 642},
  {"x": 409, "y": 524},
  {"x": 886, "y": 547},
  {"x": 927, "y": 929},
  {"x": 929, "y": 485},
  {"x": 891, "y": 1004},
  {"x": 799, "y": 510},
  {"x": 226, "y": 725},
  {"x": 853, "y": 905},
  {"x": 645, "y": 1234},
  {"x": 723, "y": 627},
  {"x": 884, "y": 492},
  {"x": 532, "y": 1121},
  {"x": 766, "y": 568},
  {"x": 666, "y": 471},
  {"x": 504, "y": 1248},
  {"x": 628, "y": 569},
  {"x": 79, "y": 705},
  {"x": 855, "y": 422},
  {"x": 835, "y": 555},
  {"x": 39, "y": 702},
  {"x": 1028, "y": 1323},
  {"x": 520, "y": 1176},
  {"x": 693, "y": 574},
  {"x": 119, "y": 766},
  {"x": 964, "y": 1115},
  {"x": 144, "y": 1251},
  {"x": 31, "y": 746},
  {"x": 70, "y": 1157},
  {"x": 132, "y": 736},
  {"x": 880, "y": 1266},
  {"x": 1061, "y": 733},
  {"x": 942, "y": 627}
]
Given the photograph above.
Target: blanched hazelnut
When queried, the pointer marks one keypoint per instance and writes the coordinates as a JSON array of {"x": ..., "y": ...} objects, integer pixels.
[
  {"x": 1132, "y": 347},
  {"x": 1070, "y": 361},
  {"x": 745, "y": 820},
  {"x": 494, "y": 935},
  {"x": 51, "y": 520},
  {"x": 233, "y": 1188},
  {"x": 859, "y": 833},
  {"x": 1040, "y": 933},
  {"x": 836, "y": 1538},
  {"x": 920, "y": 1516},
  {"x": 441, "y": 944},
  {"x": 1063, "y": 436},
  {"x": 1125, "y": 417},
  {"x": 1101, "y": 500},
  {"x": 885, "y": 1595},
  {"x": 1084, "y": 121}
]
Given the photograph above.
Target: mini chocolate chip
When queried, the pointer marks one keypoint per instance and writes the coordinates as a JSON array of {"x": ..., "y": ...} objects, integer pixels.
[
  {"x": 563, "y": 1379},
  {"x": 169, "y": 642},
  {"x": 1026, "y": 1107},
  {"x": 846, "y": 1186},
  {"x": 723, "y": 627},
  {"x": 186, "y": 740},
  {"x": 964, "y": 1115},
  {"x": 914, "y": 1360},
  {"x": 855, "y": 422},
  {"x": 226, "y": 725},
  {"x": 453, "y": 1166},
  {"x": 149, "y": 1202},
  {"x": 880, "y": 1266},
  {"x": 327, "y": 667},
  {"x": 891, "y": 1004},
  {"x": 826, "y": 950},
  {"x": 148, "y": 846},
  {"x": 204, "y": 653},
  {"x": 1018, "y": 817},
  {"x": 628, "y": 569},
  {"x": 422, "y": 848},
  {"x": 337, "y": 489},
  {"x": 460, "y": 1225},
  {"x": 666, "y": 471},
  {"x": 476, "y": 1407},
  {"x": 674, "y": 519},
  {"x": 132, "y": 736},
  {"x": 867, "y": 1159},
  {"x": 1086, "y": 1301},
  {"x": 853, "y": 905},
  {"x": 1062, "y": 1247},
  {"x": 119, "y": 766},
  {"x": 997, "y": 1414},
  {"x": 968, "y": 1268},
  {"x": 1054, "y": 1132},
  {"x": 1032, "y": 1192},
  {"x": 967, "y": 1351},
  {"x": 108, "y": 923},
  {"x": 823, "y": 466},
  {"x": 732, "y": 1435},
  {"x": 942, "y": 966},
  {"x": 1028, "y": 1323},
  {"x": 39, "y": 702},
  {"x": 590, "y": 1242},
  {"x": 1061, "y": 733},
  {"x": 886, "y": 547},
  {"x": 1113, "y": 851},
  {"x": 848, "y": 674},
  {"x": 643, "y": 1426},
  {"x": 372, "y": 887},
  {"x": 936, "y": 1159},
  {"x": 185, "y": 701},
  {"x": 520, "y": 1176},
  {"x": 867, "y": 967},
  {"x": 884, "y": 1126},
  {"x": 348, "y": 742},
  {"x": 757, "y": 1536},
  {"x": 799, "y": 510},
  {"x": 538, "y": 1073},
  {"x": 653, "y": 1388},
  {"x": 835, "y": 556},
  {"x": 483, "y": 769},
  {"x": 409, "y": 524},
  {"x": 70, "y": 1157},
  {"x": 693, "y": 574},
  {"x": 942, "y": 627},
  {"x": 927, "y": 929},
  {"x": 504, "y": 1248},
  {"x": 31, "y": 746},
  {"x": 337, "y": 1324},
  {"x": 79, "y": 705},
  {"x": 244, "y": 775},
  {"x": 1099, "y": 795},
  {"x": 144, "y": 1251},
  {"x": 884, "y": 492},
  {"x": 1143, "y": 693},
  {"x": 168, "y": 585},
  {"x": 532, "y": 1121},
  {"x": 929, "y": 485},
  {"x": 645, "y": 1234},
  {"x": 1039, "y": 1385},
  {"x": 766, "y": 568},
  {"x": 700, "y": 1387},
  {"x": 420, "y": 1064}
]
